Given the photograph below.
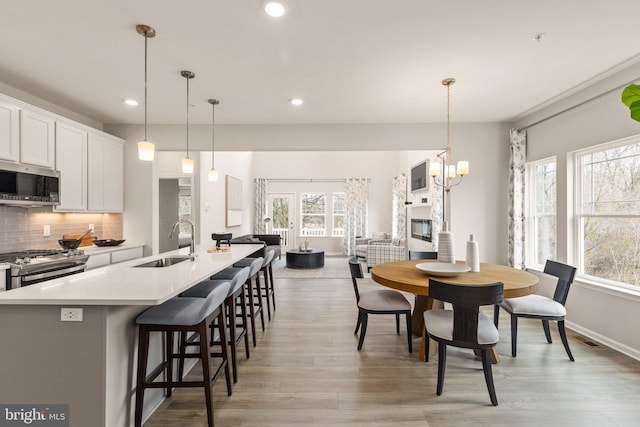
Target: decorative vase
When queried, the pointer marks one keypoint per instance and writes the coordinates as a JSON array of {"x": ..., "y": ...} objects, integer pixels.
[
  {"x": 445, "y": 245},
  {"x": 306, "y": 245},
  {"x": 473, "y": 259}
]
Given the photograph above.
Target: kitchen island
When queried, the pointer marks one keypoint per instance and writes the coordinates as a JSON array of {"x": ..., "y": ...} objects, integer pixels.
[{"x": 90, "y": 364}]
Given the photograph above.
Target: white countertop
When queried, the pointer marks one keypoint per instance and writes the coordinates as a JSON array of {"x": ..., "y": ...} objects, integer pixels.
[{"x": 125, "y": 284}]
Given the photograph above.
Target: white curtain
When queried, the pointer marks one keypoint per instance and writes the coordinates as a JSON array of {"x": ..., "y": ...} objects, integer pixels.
[
  {"x": 399, "y": 210},
  {"x": 436, "y": 215},
  {"x": 357, "y": 213},
  {"x": 260, "y": 206},
  {"x": 517, "y": 159}
]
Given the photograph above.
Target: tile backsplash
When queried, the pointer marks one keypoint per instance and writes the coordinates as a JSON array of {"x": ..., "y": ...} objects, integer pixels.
[{"x": 24, "y": 228}]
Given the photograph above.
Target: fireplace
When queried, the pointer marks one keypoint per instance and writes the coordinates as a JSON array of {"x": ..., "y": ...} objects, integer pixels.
[{"x": 421, "y": 229}]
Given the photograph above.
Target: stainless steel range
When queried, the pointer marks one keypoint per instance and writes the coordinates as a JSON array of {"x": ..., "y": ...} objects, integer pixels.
[{"x": 37, "y": 265}]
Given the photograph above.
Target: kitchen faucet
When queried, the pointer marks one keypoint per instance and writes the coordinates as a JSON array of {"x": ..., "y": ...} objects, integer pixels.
[{"x": 192, "y": 247}]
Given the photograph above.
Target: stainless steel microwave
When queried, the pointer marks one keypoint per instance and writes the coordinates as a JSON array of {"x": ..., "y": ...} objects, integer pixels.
[{"x": 25, "y": 185}]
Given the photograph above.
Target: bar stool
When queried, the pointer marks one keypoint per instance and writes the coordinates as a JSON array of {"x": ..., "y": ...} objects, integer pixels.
[
  {"x": 255, "y": 306},
  {"x": 178, "y": 315},
  {"x": 267, "y": 290},
  {"x": 235, "y": 298}
]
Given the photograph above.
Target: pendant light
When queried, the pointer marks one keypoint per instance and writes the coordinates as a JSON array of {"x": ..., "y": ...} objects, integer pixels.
[
  {"x": 146, "y": 149},
  {"x": 213, "y": 173},
  {"x": 187, "y": 163}
]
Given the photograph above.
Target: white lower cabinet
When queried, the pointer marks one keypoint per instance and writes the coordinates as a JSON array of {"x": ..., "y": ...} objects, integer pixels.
[
  {"x": 116, "y": 256},
  {"x": 126, "y": 255},
  {"x": 98, "y": 260}
]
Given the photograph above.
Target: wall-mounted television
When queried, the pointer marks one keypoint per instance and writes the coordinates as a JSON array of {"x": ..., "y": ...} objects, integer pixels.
[
  {"x": 421, "y": 229},
  {"x": 420, "y": 176}
]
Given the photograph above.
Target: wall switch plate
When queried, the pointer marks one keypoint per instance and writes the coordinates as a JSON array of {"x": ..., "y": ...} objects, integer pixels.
[
  {"x": 71, "y": 314},
  {"x": 47, "y": 231},
  {"x": 92, "y": 228}
]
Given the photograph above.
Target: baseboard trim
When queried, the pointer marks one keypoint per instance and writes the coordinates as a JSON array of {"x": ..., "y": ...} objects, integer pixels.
[{"x": 615, "y": 345}]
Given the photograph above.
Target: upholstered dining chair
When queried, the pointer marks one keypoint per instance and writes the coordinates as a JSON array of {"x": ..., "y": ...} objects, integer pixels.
[
  {"x": 378, "y": 301},
  {"x": 464, "y": 326},
  {"x": 536, "y": 306},
  {"x": 423, "y": 255}
]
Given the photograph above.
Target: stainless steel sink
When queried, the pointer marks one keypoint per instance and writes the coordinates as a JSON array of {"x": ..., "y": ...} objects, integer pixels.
[{"x": 164, "y": 262}]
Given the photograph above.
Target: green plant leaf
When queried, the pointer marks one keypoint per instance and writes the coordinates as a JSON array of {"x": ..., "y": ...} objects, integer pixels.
[
  {"x": 635, "y": 110},
  {"x": 631, "y": 94}
]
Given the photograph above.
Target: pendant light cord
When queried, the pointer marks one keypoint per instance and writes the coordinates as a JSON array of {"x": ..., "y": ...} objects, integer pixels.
[
  {"x": 146, "y": 38},
  {"x": 213, "y": 136},
  {"x": 188, "y": 117},
  {"x": 448, "y": 126}
]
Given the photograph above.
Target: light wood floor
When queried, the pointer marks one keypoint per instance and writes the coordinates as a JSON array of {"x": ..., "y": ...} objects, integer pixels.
[{"x": 306, "y": 371}]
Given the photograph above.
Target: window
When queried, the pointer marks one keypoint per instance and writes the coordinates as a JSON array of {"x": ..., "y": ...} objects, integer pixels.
[
  {"x": 541, "y": 219},
  {"x": 338, "y": 208},
  {"x": 608, "y": 211},
  {"x": 184, "y": 210},
  {"x": 313, "y": 213}
]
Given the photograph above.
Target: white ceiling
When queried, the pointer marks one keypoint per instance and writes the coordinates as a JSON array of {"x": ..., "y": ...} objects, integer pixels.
[{"x": 352, "y": 61}]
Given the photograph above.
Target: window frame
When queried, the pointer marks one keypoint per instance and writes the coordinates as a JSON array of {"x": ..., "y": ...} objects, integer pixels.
[
  {"x": 343, "y": 214},
  {"x": 531, "y": 241},
  {"x": 578, "y": 215},
  {"x": 303, "y": 214}
]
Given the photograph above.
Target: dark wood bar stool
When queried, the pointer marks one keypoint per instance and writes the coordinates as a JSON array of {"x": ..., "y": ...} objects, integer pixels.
[
  {"x": 236, "y": 308},
  {"x": 254, "y": 294},
  {"x": 267, "y": 274},
  {"x": 181, "y": 315}
]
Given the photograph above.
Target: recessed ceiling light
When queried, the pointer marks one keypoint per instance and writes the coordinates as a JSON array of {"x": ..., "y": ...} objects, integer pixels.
[
  {"x": 131, "y": 102},
  {"x": 274, "y": 8},
  {"x": 296, "y": 101}
]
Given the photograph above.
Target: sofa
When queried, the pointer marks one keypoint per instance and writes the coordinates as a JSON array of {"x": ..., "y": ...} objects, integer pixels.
[
  {"x": 362, "y": 242},
  {"x": 270, "y": 241},
  {"x": 378, "y": 251}
]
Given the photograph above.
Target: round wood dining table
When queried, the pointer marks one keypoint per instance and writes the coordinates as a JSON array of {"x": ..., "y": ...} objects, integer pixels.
[{"x": 405, "y": 276}]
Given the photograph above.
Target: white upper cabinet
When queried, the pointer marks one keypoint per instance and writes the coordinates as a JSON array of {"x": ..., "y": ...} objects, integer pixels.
[
  {"x": 91, "y": 162},
  {"x": 9, "y": 132},
  {"x": 105, "y": 173},
  {"x": 71, "y": 161},
  {"x": 114, "y": 175},
  {"x": 37, "y": 143}
]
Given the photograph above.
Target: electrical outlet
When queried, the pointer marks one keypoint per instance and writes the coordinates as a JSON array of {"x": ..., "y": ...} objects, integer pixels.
[
  {"x": 92, "y": 228},
  {"x": 47, "y": 231},
  {"x": 71, "y": 314}
]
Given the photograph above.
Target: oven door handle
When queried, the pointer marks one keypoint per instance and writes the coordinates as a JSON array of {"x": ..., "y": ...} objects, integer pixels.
[{"x": 53, "y": 273}]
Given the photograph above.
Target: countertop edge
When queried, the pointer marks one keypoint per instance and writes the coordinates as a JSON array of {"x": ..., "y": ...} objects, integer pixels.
[{"x": 71, "y": 290}]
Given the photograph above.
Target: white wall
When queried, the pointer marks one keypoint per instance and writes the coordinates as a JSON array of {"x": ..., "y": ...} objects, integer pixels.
[
  {"x": 479, "y": 203},
  {"x": 379, "y": 166},
  {"x": 212, "y": 194},
  {"x": 602, "y": 313}
]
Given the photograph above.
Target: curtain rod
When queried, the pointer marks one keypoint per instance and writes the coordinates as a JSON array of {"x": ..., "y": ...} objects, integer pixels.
[
  {"x": 309, "y": 179},
  {"x": 580, "y": 104}
]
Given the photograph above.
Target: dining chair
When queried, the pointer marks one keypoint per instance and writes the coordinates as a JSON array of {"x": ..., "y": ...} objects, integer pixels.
[
  {"x": 463, "y": 326},
  {"x": 536, "y": 306},
  {"x": 378, "y": 301},
  {"x": 423, "y": 255}
]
